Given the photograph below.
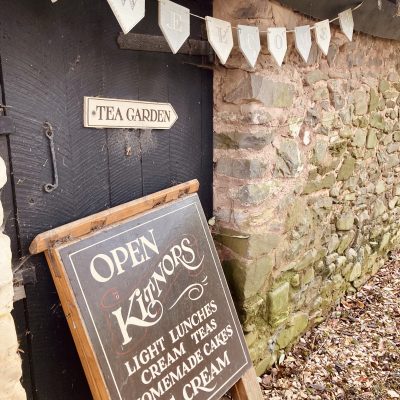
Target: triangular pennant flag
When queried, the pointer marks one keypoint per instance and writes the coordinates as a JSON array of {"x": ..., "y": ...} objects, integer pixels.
[
  {"x": 347, "y": 23},
  {"x": 277, "y": 43},
  {"x": 220, "y": 36},
  {"x": 302, "y": 36},
  {"x": 249, "y": 43},
  {"x": 174, "y": 22},
  {"x": 323, "y": 35},
  {"x": 128, "y": 12}
]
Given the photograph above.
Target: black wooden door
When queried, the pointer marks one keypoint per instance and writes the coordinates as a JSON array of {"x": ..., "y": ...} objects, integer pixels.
[{"x": 51, "y": 56}]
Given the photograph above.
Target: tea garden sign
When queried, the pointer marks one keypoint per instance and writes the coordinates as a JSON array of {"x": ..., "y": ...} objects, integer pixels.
[{"x": 118, "y": 113}]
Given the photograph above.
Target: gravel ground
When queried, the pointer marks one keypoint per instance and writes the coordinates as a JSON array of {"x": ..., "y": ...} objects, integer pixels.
[{"x": 354, "y": 354}]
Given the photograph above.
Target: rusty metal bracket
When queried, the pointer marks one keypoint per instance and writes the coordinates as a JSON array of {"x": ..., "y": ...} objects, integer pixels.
[{"x": 48, "y": 131}]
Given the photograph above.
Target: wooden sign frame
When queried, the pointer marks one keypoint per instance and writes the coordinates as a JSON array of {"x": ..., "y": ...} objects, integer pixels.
[{"x": 247, "y": 388}]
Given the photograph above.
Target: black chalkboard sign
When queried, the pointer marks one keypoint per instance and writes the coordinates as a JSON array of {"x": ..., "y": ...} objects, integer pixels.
[{"x": 155, "y": 313}]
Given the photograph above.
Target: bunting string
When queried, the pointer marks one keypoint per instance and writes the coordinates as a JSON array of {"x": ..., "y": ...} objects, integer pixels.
[
  {"x": 287, "y": 31},
  {"x": 174, "y": 22}
]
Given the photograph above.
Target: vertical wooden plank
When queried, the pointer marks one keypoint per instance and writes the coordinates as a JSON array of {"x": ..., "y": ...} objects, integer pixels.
[
  {"x": 185, "y": 135},
  {"x": 27, "y": 76},
  {"x": 82, "y": 32},
  {"x": 153, "y": 86},
  {"x": 121, "y": 77},
  {"x": 34, "y": 74}
]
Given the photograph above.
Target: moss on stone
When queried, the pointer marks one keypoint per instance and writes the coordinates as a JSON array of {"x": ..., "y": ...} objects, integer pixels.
[
  {"x": 297, "y": 325},
  {"x": 278, "y": 304}
]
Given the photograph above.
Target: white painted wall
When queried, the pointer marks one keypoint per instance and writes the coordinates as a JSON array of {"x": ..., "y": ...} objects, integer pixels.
[{"x": 10, "y": 362}]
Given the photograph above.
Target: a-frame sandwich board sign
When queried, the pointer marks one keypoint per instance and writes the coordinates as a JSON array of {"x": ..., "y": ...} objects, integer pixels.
[{"x": 147, "y": 303}]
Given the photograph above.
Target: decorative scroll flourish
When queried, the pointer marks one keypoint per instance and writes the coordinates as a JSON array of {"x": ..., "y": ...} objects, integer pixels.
[{"x": 194, "y": 292}]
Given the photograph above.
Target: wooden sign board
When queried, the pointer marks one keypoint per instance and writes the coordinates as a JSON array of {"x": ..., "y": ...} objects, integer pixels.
[
  {"x": 115, "y": 113},
  {"x": 147, "y": 303}
]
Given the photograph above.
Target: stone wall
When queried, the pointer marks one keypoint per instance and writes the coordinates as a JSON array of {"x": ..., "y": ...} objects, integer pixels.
[
  {"x": 10, "y": 362},
  {"x": 307, "y": 175}
]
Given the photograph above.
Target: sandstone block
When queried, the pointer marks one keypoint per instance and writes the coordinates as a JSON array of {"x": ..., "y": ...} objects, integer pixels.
[
  {"x": 373, "y": 100},
  {"x": 265, "y": 364},
  {"x": 347, "y": 168},
  {"x": 384, "y": 86},
  {"x": 254, "y": 194},
  {"x": 361, "y": 102},
  {"x": 289, "y": 162},
  {"x": 355, "y": 272},
  {"x": 376, "y": 120},
  {"x": 246, "y": 278},
  {"x": 345, "y": 221},
  {"x": 316, "y": 185},
  {"x": 380, "y": 187},
  {"x": 316, "y": 76},
  {"x": 259, "y": 88},
  {"x": 360, "y": 137},
  {"x": 390, "y": 94},
  {"x": 372, "y": 139},
  {"x": 308, "y": 276},
  {"x": 393, "y": 147},
  {"x": 1, "y": 215},
  {"x": 379, "y": 208},
  {"x": 321, "y": 93},
  {"x": 320, "y": 152},
  {"x": 278, "y": 304},
  {"x": 384, "y": 241},
  {"x": 5, "y": 261},
  {"x": 241, "y": 168},
  {"x": 297, "y": 325},
  {"x": 3, "y": 173},
  {"x": 9, "y": 342},
  {"x": 248, "y": 246},
  {"x": 393, "y": 76},
  {"x": 236, "y": 140},
  {"x": 333, "y": 243},
  {"x": 6, "y": 298}
]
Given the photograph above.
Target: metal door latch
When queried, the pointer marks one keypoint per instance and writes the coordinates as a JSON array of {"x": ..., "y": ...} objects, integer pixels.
[{"x": 48, "y": 131}]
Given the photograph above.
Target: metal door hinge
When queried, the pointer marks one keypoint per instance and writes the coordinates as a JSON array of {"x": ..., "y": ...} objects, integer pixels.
[{"x": 6, "y": 125}]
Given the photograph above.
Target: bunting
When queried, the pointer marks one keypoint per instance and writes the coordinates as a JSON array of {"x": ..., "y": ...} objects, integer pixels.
[
  {"x": 249, "y": 43},
  {"x": 302, "y": 37},
  {"x": 220, "y": 36},
  {"x": 347, "y": 23},
  {"x": 174, "y": 22},
  {"x": 277, "y": 43},
  {"x": 323, "y": 35},
  {"x": 128, "y": 12}
]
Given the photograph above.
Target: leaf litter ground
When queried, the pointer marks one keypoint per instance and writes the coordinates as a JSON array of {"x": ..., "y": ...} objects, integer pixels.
[{"x": 354, "y": 354}]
